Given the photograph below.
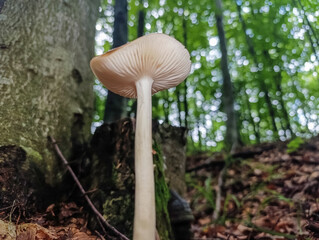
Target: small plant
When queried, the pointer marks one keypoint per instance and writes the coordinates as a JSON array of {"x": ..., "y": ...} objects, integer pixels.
[
  {"x": 294, "y": 144},
  {"x": 229, "y": 197},
  {"x": 206, "y": 190}
]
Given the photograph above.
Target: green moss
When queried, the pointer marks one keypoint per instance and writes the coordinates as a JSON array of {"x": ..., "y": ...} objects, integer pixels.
[
  {"x": 118, "y": 203},
  {"x": 37, "y": 169},
  {"x": 162, "y": 196},
  {"x": 116, "y": 210},
  {"x": 33, "y": 157}
]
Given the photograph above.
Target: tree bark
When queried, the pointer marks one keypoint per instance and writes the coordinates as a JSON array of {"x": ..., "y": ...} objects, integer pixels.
[
  {"x": 111, "y": 172},
  {"x": 45, "y": 79},
  {"x": 115, "y": 106},
  {"x": 232, "y": 135}
]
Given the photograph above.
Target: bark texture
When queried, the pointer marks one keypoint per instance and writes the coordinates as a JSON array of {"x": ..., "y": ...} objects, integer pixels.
[
  {"x": 45, "y": 79},
  {"x": 112, "y": 172}
]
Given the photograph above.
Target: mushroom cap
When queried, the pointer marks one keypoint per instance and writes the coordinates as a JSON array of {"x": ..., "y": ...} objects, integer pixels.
[{"x": 156, "y": 55}]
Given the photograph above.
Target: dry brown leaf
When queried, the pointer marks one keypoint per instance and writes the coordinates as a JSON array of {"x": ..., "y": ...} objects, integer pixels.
[{"x": 205, "y": 221}]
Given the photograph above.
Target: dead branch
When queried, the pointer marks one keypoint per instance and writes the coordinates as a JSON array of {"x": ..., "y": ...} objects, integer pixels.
[
  {"x": 99, "y": 234},
  {"x": 212, "y": 162},
  {"x": 219, "y": 193},
  {"x": 98, "y": 214}
]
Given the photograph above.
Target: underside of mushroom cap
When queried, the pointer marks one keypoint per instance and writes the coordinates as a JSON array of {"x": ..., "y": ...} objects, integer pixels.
[{"x": 156, "y": 55}]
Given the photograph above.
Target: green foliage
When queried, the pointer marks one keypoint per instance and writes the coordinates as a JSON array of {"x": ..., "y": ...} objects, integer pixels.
[
  {"x": 273, "y": 63},
  {"x": 229, "y": 197},
  {"x": 206, "y": 190},
  {"x": 294, "y": 144}
]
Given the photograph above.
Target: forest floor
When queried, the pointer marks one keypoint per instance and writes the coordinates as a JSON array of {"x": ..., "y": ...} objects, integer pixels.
[{"x": 267, "y": 191}]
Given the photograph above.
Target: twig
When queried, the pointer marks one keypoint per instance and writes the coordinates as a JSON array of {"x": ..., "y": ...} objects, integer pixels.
[
  {"x": 101, "y": 225},
  {"x": 98, "y": 214},
  {"x": 219, "y": 193},
  {"x": 13, "y": 204},
  {"x": 100, "y": 235}
]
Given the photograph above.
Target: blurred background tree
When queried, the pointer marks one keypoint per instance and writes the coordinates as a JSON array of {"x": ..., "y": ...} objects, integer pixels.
[{"x": 269, "y": 90}]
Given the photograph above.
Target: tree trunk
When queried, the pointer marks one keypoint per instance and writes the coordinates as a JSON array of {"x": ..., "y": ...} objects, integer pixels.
[
  {"x": 166, "y": 106},
  {"x": 262, "y": 85},
  {"x": 46, "y": 84},
  {"x": 140, "y": 33},
  {"x": 141, "y": 20},
  {"x": 185, "y": 81},
  {"x": 179, "y": 105},
  {"x": 115, "y": 106},
  {"x": 278, "y": 80},
  {"x": 250, "y": 117},
  {"x": 307, "y": 22},
  {"x": 232, "y": 136}
]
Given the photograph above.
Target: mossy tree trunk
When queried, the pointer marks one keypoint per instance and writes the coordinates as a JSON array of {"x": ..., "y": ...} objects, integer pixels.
[
  {"x": 45, "y": 79},
  {"x": 46, "y": 89}
]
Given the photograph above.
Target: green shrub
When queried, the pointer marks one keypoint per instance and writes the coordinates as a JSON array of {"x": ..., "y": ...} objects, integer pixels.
[{"x": 294, "y": 144}]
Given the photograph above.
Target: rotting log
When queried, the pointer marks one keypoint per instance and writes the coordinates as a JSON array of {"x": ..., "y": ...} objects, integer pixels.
[{"x": 112, "y": 172}]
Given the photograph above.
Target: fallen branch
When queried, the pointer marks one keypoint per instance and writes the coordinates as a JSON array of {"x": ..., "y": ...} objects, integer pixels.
[
  {"x": 220, "y": 162},
  {"x": 98, "y": 214},
  {"x": 219, "y": 193},
  {"x": 212, "y": 164}
]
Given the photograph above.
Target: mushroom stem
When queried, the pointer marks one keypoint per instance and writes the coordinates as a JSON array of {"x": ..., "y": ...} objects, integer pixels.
[{"x": 144, "y": 215}]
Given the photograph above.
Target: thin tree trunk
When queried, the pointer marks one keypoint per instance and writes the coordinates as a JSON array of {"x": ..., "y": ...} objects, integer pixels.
[
  {"x": 141, "y": 20},
  {"x": 166, "y": 107},
  {"x": 179, "y": 105},
  {"x": 200, "y": 139},
  {"x": 308, "y": 23},
  {"x": 232, "y": 135},
  {"x": 308, "y": 30},
  {"x": 185, "y": 82},
  {"x": 262, "y": 84},
  {"x": 278, "y": 80},
  {"x": 251, "y": 119},
  {"x": 304, "y": 107},
  {"x": 140, "y": 33},
  {"x": 271, "y": 111},
  {"x": 115, "y": 106}
]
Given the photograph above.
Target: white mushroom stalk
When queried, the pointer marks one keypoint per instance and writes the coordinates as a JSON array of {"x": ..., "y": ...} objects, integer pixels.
[
  {"x": 137, "y": 70},
  {"x": 144, "y": 212}
]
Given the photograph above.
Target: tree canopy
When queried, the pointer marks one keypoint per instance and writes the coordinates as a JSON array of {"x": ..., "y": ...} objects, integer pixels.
[{"x": 272, "y": 52}]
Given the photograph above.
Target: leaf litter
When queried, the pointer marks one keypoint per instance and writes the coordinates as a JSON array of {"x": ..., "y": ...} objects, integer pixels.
[
  {"x": 268, "y": 192},
  {"x": 59, "y": 222}
]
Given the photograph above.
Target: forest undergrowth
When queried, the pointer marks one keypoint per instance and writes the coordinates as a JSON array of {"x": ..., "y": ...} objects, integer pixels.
[{"x": 267, "y": 191}]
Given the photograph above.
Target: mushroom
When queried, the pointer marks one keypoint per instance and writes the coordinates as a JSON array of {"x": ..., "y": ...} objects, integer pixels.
[{"x": 139, "y": 69}]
